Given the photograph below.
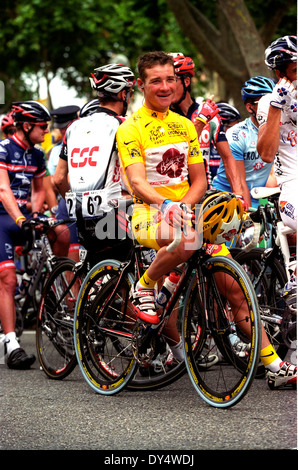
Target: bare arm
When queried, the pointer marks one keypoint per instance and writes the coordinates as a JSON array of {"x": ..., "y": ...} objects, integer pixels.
[
  {"x": 140, "y": 187},
  {"x": 7, "y": 197},
  {"x": 61, "y": 177},
  {"x": 198, "y": 184},
  {"x": 242, "y": 173},
  {"x": 235, "y": 178},
  {"x": 38, "y": 195},
  {"x": 268, "y": 136}
]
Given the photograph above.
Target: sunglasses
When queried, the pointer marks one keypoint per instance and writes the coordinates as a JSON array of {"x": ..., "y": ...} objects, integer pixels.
[{"x": 42, "y": 126}]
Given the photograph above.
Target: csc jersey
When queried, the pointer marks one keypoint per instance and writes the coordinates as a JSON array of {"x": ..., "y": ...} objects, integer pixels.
[
  {"x": 89, "y": 147},
  {"x": 166, "y": 143},
  {"x": 285, "y": 162},
  {"x": 22, "y": 164},
  {"x": 242, "y": 138}
]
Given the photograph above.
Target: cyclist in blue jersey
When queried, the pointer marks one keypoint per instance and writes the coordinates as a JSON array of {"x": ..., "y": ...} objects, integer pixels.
[
  {"x": 206, "y": 121},
  {"x": 22, "y": 168},
  {"x": 243, "y": 139}
]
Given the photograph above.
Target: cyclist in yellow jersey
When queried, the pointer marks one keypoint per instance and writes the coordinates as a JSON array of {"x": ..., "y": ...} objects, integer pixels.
[
  {"x": 163, "y": 165},
  {"x": 160, "y": 153}
]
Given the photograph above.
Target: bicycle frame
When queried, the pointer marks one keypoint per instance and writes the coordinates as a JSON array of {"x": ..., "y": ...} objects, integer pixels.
[{"x": 279, "y": 232}]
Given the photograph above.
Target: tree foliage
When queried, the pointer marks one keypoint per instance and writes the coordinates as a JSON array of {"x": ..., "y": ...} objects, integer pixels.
[{"x": 70, "y": 38}]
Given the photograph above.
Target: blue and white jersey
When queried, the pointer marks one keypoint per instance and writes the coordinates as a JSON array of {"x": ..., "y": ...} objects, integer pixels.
[
  {"x": 242, "y": 138},
  {"x": 22, "y": 164}
]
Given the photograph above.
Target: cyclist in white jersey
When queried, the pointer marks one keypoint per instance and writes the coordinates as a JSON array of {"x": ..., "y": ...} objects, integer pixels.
[
  {"x": 277, "y": 139},
  {"x": 277, "y": 117},
  {"x": 89, "y": 159},
  {"x": 242, "y": 138}
]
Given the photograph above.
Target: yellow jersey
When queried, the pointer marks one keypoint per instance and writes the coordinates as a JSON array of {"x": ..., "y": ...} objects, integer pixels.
[{"x": 166, "y": 143}]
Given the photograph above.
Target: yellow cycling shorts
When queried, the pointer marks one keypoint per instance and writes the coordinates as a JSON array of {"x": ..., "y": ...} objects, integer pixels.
[{"x": 144, "y": 226}]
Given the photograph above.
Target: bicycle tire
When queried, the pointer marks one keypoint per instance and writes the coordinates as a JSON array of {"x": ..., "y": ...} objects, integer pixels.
[
  {"x": 206, "y": 330},
  {"x": 268, "y": 289},
  {"x": 54, "y": 326},
  {"x": 103, "y": 329}
]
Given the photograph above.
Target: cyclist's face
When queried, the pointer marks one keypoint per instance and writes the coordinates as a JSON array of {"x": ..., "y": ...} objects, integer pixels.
[
  {"x": 159, "y": 87},
  {"x": 179, "y": 91},
  {"x": 291, "y": 71},
  {"x": 38, "y": 132}
]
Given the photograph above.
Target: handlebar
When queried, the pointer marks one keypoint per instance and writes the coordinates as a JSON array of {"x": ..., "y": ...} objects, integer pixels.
[
  {"x": 175, "y": 242},
  {"x": 177, "y": 233},
  {"x": 29, "y": 226},
  {"x": 46, "y": 222}
]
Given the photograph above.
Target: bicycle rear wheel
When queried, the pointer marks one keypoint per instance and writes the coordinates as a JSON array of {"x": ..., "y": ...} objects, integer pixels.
[
  {"x": 103, "y": 326},
  {"x": 54, "y": 327},
  {"x": 279, "y": 323},
  {"x": 219, "y": 307}
]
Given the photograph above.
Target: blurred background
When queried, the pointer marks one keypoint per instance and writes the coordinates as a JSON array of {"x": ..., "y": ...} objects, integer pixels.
[{"x": 48, "y": 48}]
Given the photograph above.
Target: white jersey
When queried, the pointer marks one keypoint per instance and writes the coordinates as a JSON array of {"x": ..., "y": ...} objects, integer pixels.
[
  {"x": 285, "y": 162},
  {"x": 90, "y": 149}
]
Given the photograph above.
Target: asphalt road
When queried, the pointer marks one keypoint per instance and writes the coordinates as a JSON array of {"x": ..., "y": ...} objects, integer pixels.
[{"x": 41, "y": 414}]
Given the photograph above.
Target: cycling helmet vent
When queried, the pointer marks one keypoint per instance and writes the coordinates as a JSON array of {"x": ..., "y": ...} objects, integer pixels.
[
  {"x": 281, "y": 52},
  {"x": 256, "y": 87},
  {"x": 222, "y": 215},
  {"x": 228, "y": 112},
  {"x": 183, "y": 65},
  {"x": 30, "y": 111},
  {"x": 112, "y": 78},
  {"x": 7, "y": 121},
  {"x": 89, "y": 108}
]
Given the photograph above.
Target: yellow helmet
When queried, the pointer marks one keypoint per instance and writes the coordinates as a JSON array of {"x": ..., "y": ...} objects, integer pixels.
[{"x": 222, "y": 216}]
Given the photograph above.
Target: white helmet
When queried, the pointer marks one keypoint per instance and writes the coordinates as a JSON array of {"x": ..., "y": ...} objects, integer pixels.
[{"x": 112, "y": 78}]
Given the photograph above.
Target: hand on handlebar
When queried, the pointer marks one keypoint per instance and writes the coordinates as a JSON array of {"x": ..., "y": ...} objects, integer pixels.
[{"x": 175, "y": 213}]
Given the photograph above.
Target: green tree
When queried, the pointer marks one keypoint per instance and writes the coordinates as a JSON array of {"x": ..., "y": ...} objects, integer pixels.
[
  {"x": 231, "y": 35},
  {"x": 69, "y": 38}
]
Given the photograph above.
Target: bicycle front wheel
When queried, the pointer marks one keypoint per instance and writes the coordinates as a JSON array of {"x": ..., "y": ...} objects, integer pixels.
[
  {"x": 54, "y": 327},
  {"x": 221, "y": 318},
  {"x": 104, "y": 322}
]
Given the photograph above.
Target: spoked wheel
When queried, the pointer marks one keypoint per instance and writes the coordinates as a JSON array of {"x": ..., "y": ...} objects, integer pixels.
[
  {"x": 161, "y": 368},
  {"x": 54, "y": 329},
  {"x": 104, "y": 321},
  {"x": 278, "y": 320},
  {"x": 221, "y": 318}
]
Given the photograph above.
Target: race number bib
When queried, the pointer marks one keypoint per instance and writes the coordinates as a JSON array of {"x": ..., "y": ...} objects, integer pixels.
[
  {"x": 94, "y": 203},
  {"x": 70, "y": 199}
]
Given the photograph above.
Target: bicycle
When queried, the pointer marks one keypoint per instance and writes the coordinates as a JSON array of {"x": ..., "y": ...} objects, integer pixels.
[
  {"x": 269, "y": 270},
  {"x": 112, "y": 345},
  {"x": 54, "y": 327},
  {"x": 36, "y": 261}
]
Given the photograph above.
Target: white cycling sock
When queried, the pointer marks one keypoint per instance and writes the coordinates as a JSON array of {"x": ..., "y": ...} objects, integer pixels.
[
  {"x": 177, "y": 351},
  {"x": 275, "y": 365},
  {"x": 11, "y": 342}
]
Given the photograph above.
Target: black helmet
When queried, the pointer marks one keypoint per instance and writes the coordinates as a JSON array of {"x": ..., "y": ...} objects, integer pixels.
[
  {"x": 281, "y": 52},
  {"x": 112, "y": 78},
  {"x": 228, "y": 112},
  {"x": 89, "y": 108},
  {"x": 30, "y": 111}
]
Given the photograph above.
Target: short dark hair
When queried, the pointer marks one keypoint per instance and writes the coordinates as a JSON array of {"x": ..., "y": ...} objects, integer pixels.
[{"x": 150, "y": 59}]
